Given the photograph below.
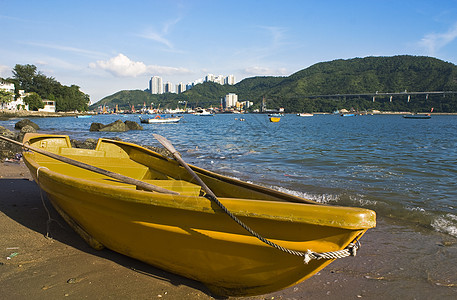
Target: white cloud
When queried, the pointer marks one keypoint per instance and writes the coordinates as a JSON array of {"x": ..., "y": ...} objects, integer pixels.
[
  {"x": 66, "y": 49},
  {"x": 5, "y": 71},
  {"x": 264, "y": 71},
  {"x": 122, "y": 66},
  {"x": 433, "y": 42},
  {"x": 157, "y": 37},
  {"x": 160, "y": 35}
]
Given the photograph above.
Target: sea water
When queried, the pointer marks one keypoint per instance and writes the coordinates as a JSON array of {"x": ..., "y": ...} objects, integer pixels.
[{"x": 405, "y": 169}]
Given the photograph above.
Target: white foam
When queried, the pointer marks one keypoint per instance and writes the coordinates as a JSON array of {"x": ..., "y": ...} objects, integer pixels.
[{"x": 446, "y": 224}]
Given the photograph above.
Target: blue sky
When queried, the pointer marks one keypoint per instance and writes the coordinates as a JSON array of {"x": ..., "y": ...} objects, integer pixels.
[{"x": 108, "y": 46}]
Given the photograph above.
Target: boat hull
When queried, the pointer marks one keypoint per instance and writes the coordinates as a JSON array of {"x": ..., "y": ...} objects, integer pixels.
[
  {"x": 187, "y": 234},
  {"x": 160, "y": 120},
  {"x": 275, "y": 119},
  {"x": 417, "y": 117}
]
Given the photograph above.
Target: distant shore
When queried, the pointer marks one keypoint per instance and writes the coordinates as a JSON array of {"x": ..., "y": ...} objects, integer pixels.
[{"x": 11, "y": 114}]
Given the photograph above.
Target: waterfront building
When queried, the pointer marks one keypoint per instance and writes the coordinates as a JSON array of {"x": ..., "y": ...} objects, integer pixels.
[
  {"x": 230, "y": 100},
  {"x": 14, "y": 103},
  {"x": 49, "y": 106},
  {"x": 247, "y": 104},
  {"x": 156, "y": 85}
]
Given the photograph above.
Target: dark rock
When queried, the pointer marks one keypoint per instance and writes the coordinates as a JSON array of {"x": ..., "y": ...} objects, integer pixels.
[
  {"x": 133, "y": 125},
  {"x": 24, "y": 130},
  {"x": 7, "y": 149},
  {"x": 117, "y": 126},
  {"x": 8, "y": 133},
  {"x": 87, "y": 144},
  {"x": 159, "y": 150},
  {"x": 24, "y": 122},
  {"x": 96, "y": 126}
]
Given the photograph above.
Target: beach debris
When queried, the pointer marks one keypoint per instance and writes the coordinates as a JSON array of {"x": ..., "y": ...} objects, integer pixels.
[
  {"x": 71, "y": 280},
  {"x": 12, "y": 255}
]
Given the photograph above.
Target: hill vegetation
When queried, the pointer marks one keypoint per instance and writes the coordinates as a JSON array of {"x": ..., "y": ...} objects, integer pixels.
[{"x": 299, "y": 92}]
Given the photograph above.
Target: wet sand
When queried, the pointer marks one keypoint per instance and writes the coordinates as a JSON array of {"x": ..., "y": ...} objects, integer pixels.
[{"x": 395, "y": 262}]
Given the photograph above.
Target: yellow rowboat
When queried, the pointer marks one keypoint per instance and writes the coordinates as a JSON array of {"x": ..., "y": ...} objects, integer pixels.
[
  {"x": 275, "y": 119},
  {"x": 185, "y": 232}
]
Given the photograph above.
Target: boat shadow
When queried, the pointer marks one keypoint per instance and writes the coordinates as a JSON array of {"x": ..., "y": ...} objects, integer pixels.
[{"x": 22, "y": 202}]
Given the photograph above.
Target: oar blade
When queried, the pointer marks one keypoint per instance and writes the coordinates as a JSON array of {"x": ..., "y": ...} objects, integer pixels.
[{"x": 166, "y": 143}]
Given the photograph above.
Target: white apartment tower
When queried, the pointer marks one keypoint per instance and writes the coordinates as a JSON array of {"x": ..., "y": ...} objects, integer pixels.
[
  {"x": 168, "y": 87},
  {"x": 230, "y": 79},
  {"x": 180, "y": 88},
  {"x": 156, "y": 85},
  {"x": 230, "y": 100}
]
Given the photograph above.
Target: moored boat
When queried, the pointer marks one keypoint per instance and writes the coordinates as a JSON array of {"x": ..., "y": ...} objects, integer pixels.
[
  {"x": 204, "y": 113},
  {"x": 184, "y": 232},
  {"x": 159, "y": 119},
  {"x": 275, "y": 119},
  {"x": 414, "y": 116},
  {"x": 305, "y": 115}
]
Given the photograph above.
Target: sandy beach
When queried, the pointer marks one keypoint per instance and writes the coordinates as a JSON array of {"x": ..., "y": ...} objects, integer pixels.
[{"x": 33, "y": 266}]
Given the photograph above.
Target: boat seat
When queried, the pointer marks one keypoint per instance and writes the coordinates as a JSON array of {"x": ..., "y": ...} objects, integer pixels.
[{"x": 182, "y": 187}]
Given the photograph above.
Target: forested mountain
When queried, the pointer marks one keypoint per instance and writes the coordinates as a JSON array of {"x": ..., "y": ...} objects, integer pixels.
[{"x": 352, "y": 76}]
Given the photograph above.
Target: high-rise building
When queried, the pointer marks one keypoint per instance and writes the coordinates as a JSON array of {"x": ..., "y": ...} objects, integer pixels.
[
  {"x": 209, "y": 78},
  {"x": 168, "y": 87},
  {"x": 230, "y": 79},
  {"x": 156, "y": 85},
  {"x": 230, "y": 100},
  {"x": 180, "y": 88}
]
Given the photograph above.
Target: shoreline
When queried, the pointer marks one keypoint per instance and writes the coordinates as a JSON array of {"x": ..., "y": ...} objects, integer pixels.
[
  {"x": 394, "y": 261},
  {"x": 11, "y": 114}
]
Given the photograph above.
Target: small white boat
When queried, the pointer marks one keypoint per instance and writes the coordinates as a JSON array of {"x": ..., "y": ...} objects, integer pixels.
[
  {"x": 204, "y": 113},
  {"x": 304, "y": 115},
  {"x": 159, "y": 119}
]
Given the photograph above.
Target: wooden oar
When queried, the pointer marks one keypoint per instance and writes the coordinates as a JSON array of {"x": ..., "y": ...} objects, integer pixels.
[
  {"x": 166, "y": 143},
  {"x": 141, "y": 184}
]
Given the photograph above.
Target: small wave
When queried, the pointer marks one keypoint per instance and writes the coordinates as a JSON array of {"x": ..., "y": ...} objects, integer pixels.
[
  {"x": 320, "y": 198},
  {"x": 446, "y": 224}
]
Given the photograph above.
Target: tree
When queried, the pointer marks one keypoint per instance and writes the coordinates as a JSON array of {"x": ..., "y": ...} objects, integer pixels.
[
  {"x": 34, "y": 101},
  {"x": 6, "y": 96},
  {"x": 67, "y": 98},
  {"x": 24, "y": 75}
]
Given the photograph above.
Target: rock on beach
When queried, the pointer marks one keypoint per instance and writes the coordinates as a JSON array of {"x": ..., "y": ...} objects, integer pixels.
[{"x": 9, "y": 150}]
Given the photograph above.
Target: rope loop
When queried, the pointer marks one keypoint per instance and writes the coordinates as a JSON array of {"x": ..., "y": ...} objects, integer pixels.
[{"x": 350, "y": 250}]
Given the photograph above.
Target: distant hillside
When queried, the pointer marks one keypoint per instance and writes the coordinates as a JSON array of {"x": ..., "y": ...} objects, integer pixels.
[{"x": 352, "y": 76}]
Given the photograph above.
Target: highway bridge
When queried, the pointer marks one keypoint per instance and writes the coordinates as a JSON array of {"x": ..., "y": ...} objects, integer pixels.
[{"x": 384, "y": 95}]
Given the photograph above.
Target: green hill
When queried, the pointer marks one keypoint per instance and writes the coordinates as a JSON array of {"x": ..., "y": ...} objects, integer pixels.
[{"x": 352, "y": 76}]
